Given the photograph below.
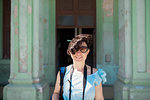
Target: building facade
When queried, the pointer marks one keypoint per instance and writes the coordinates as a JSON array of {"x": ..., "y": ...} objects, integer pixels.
[{"x": 38, "y": 32}]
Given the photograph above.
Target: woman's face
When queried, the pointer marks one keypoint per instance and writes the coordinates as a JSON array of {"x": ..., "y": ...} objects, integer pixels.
[{"x": 81, "y": 54}]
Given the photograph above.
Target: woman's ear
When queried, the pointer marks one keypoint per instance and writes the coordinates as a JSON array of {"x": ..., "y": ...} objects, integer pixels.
[
  {"x": 88, "y": 51},
  {"x": 68, "y": 52}
]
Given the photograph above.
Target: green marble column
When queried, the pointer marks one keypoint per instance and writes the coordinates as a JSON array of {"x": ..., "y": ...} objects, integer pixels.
[
  {"x": 26, "y": 80},
  {"x": 134, "y": 52}
]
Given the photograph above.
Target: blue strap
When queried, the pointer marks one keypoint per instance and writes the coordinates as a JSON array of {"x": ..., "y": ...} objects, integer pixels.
[{"x": 62, "y": 74}]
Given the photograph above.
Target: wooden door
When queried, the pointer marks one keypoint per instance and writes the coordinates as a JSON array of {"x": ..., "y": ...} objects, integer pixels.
[{"x": 75, "y": 13}]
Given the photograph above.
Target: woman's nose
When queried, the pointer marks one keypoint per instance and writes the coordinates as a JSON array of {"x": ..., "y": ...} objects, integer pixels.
[{"x": 78, "y": 52}]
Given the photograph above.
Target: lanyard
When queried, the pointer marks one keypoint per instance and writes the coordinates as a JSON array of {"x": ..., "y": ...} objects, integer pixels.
[{"x": 84, "y": 81}]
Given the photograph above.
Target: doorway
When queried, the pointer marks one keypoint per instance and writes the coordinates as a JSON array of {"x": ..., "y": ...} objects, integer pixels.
[{"x": 72, "y": 18}]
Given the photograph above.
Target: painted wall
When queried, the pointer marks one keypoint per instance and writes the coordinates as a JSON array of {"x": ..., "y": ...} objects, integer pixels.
[
  {"x": 47, "y": 41},
  {"x": 47, "y": 17},
  {"x": 133, "y": 75},
  {"x": 107, "y": 38},
  {"x": 133, "y": 40}
]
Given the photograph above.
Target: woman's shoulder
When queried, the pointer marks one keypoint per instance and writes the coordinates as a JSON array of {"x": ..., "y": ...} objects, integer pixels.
[
  {"x": 68, "y": 68},
  {"x": 98, "y": 74},
  {"x": 90, "y": 68}
]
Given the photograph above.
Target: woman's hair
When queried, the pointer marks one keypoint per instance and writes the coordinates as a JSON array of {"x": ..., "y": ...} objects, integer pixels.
[{"x": 76, "y": 42}]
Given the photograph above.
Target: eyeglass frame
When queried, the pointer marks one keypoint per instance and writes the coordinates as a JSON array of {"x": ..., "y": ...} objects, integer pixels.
[{"x": 84, "y": 48}]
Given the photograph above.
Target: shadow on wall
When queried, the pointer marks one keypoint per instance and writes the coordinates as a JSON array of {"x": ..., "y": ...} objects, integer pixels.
[{"x": 4, "y": 76}]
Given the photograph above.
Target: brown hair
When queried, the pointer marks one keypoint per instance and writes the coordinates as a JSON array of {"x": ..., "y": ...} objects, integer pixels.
[{"x": 76, "y": 42}]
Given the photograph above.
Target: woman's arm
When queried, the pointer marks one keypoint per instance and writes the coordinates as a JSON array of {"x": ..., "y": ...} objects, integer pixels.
[
  {"x": 57, "y": 88},
  {"x": 99, "y": 92}
]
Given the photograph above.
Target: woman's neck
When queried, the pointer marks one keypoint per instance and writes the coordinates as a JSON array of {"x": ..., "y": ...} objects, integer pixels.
[{"x": 79, "y": 66}]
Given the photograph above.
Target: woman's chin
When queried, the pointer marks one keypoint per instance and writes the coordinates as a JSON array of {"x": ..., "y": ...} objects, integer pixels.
[{"x": 78, "y": 60}]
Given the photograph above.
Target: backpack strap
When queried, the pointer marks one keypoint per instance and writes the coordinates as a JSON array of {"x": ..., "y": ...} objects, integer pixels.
[
  {"x": 84, "y": 81},
  {"x": 62, "y": 74},
  {"x": 70, "y": 81},
  {"x": 91, "y": 70}
]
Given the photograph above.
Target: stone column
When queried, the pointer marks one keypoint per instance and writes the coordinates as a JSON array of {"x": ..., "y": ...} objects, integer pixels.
[
  {"x": 26, "y": 80},
  {"x": 134, "y": 52}
]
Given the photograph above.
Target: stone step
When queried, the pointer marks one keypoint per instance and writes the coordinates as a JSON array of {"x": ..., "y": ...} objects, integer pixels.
[{"x": 108, "y": 92}]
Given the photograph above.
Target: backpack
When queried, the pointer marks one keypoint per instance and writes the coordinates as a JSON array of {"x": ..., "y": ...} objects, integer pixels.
[{"x": 62, "y": 74}]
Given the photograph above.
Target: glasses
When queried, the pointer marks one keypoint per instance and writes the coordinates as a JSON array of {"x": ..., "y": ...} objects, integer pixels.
[{"x": 83, "y": 49}]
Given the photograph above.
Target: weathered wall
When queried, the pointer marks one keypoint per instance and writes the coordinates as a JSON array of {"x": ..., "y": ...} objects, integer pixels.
[
  {"x": 133, "y": 40},
  {"x": 47, "y": 18},
  {"x": 133, "y": 76},
  {"x": 27, "y": 81},
  {"x": 47, "y": 33},
  {"x": 107, "y": 38}
]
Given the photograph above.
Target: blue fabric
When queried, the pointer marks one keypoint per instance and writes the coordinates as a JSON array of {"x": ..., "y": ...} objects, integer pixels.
[{"x": 77, "y": 84}]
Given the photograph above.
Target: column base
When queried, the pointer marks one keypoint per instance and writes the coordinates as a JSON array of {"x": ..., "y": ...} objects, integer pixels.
[
  {"x": 38, "y": 91},
  {"x": 131, "y": 92},
  {"x": 51, "y": 90}
]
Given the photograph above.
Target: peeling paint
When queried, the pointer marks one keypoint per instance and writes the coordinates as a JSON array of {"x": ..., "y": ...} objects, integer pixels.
[
  {"x": 126, "y": 23},
  {"x": 16, "y": 31},
  {"x": 36, "y": 81},
  {"x": 29, "y": 9},
  {"x": 45, "y": 20},
  {"x": 16, "y": 12},
  {"x": 14, "y": 75},
  {"x": 126, "y": 12},
  {"x": 16, "y": 23},
  {"x": 29, "y": 73},
  {"x": 108, "y": 7},
  {"x": 16, "y": 54},
  {"x": 148, "y": 64},
  {"x": 148, "y": 70},
  {"x": 40, "y": 57},
  {"x": 23, "y": 60},
  {"x": 23, "y": 65},
  {"x": 40, "y": 54}
]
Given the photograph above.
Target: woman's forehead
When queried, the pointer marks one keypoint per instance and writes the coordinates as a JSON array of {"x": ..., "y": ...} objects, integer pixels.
[{"x": 83, "y": 44}]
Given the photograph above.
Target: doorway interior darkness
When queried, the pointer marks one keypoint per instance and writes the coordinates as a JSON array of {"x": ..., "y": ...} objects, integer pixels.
[
  {"x": 72, "y": 18},
  {"x": 6, "y": 28}
]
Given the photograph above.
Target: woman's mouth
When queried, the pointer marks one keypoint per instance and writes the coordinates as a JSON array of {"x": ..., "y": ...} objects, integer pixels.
[{"x": 78, "y": 58}]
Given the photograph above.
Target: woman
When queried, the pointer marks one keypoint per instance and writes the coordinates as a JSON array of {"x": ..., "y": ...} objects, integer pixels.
[{"x": 80, "y": 81}]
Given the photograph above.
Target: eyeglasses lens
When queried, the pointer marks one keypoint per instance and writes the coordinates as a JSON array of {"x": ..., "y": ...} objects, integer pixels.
[{"x": 83, "y": 49}]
